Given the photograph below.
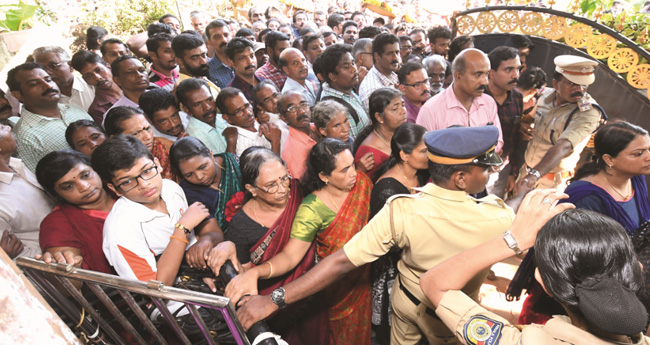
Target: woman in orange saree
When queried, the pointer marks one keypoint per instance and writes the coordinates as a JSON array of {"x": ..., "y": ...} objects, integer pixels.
[{"x": 335, "y": 208}]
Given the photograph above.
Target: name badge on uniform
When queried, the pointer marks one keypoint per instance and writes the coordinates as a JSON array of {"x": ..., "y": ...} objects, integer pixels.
[{"x": 584, "y": 104}]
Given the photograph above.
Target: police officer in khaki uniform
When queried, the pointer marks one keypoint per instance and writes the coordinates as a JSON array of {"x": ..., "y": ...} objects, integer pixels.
[
  {"x": 598, "y": 286},
  {"x": 566, "y": 118},
  {"x": 437, "y": 223}
]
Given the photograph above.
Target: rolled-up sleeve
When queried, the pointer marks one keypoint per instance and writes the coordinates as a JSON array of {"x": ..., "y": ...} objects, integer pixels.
[{"x": 472, "y": 324}]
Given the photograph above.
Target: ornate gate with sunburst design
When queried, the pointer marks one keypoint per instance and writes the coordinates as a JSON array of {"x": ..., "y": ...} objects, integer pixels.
[{"x": 620, "y": 54}]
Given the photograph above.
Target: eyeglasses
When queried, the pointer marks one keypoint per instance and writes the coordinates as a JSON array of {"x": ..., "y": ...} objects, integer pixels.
[
  {"x": 54, "y": 66},
  {"x": 239, "y": 112},
  {"x": 272, "y": 189},
  {"x": 131, "y": 183},
  {"x": 294, "y": 108},
  {"x": 419, "y": 84},
  {"x": 274, "y": 96}
]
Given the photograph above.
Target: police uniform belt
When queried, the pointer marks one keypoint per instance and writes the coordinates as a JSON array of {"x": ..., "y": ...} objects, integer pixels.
[{"x": 416, "y": 301}]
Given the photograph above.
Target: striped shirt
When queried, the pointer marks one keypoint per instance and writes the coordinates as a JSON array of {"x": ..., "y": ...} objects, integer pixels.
[
  {"x": 163, "y": 81},
  {"x": 374, "y": 80},
  {"x": 38, "y": 135},
  {"x": 354, "y": 100}
]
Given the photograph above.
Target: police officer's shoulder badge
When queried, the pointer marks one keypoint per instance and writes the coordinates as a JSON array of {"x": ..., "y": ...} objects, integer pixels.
[{"x": 481, "y": 330}]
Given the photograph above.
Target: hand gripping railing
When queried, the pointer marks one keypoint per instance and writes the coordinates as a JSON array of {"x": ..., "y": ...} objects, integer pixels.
[
  {"x": 112, "y": 309},
  {"x": 259, "y": 329}
]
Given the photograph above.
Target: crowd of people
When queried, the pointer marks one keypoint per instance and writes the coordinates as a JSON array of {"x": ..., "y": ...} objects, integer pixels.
[{"x": 357, "y": 172}]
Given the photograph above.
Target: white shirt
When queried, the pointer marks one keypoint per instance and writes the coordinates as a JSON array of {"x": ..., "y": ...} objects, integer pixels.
[
  {"x": 134, "y": 234},
  {"x": 23, "y": 205},
  {"x": 284, "y": 128},
  {"x": 246, "y": 139},
  {"x": 82, "y": 96},
  {"x": 307, "y": 90}
]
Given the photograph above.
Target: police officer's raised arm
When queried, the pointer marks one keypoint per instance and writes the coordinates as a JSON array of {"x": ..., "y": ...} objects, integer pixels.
[{"x": 536, "y": 209}]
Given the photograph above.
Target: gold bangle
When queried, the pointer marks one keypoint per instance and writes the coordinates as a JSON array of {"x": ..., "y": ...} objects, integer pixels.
[
  {"x": 270, "y": 268},
  {"x": 182, "y": 227},
  {"x": 180, "y": 239}
]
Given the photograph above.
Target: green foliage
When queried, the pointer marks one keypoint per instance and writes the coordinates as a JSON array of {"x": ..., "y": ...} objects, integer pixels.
[
  {"x": 630, "y": 24},
  {"x": 125, "y": 18},
  {"x": 16, "y": 16}
]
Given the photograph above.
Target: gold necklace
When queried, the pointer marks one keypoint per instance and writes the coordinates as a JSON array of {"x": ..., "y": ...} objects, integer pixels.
[
  {"x": 332, "y": 200},
  {"x": 407, "y": 179},
  {"x": 214, "y": 159},
  {"x": 381, "y": 137},
  {"x": 257, "y": 219},
  {"x": 625, "y": 197}
]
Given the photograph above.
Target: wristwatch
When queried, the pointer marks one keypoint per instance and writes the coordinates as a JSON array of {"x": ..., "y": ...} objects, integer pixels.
[
  {"x": 277, "y": 297},
  {"x": 511, "y": 242},
  {"x": 535, "y": 173}
]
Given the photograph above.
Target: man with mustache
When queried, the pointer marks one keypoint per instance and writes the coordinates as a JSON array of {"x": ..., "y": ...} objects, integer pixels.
[
  {"x": 204, "y": 123},
  {"x": 414, "y": 84},
  {"x": 350, "y": 32},
  {"x": 43, "y": 120},
  {"x": 294, "y": 110},
  {"x": 163, "y": 66},
  {"x": 218, "y": 35},
  {"x": 192, "y": 58},
  {"x": 95, "y": 72},
  {"x": 159, "y": 106},
  {"x": 6, "y": 110},
  {"x": 275, "y": 42},
  {"x": 112, "y": 48},
  {"x": 266, "y": 106},
  {"x": 243, "y": 130},
  {"x": 420, "y": 41},
  {"x": 241, "y": 56},
  {"x": 503, "y": 78},
  {"x": 464, "y": 102},
  {"x": 294, "y": 65},
  {"x": 385, "y": 54},
  {"x": 131, "y": 76},
  {"x": 439, "y": 39},
  {"x": 74, "y": 90},
  {"x": 566, "y": 118},
  {"x": 436, "y": 66}
]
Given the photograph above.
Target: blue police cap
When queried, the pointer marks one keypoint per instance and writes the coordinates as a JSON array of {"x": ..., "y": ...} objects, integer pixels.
[{"x": 463, "y": 145}]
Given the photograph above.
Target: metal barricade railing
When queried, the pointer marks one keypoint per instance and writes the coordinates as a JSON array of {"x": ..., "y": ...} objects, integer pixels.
[{"x": 112, "y": 309}]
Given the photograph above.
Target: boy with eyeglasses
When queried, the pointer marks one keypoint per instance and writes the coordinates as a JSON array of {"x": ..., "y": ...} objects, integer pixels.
[{"x": 150, "y": 227}]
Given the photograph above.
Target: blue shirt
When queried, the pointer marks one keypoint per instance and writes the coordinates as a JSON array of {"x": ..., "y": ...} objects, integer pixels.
[{"x": 220, "y": 74}]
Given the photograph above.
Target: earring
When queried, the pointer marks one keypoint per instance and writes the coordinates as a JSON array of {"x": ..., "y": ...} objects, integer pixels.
[{"x": 326, "y": 182}]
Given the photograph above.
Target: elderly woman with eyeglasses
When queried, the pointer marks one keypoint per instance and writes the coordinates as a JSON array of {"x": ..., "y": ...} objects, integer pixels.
[
  {"x": 261, "y": 229},
  {"x": 335, "y": 208}
]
